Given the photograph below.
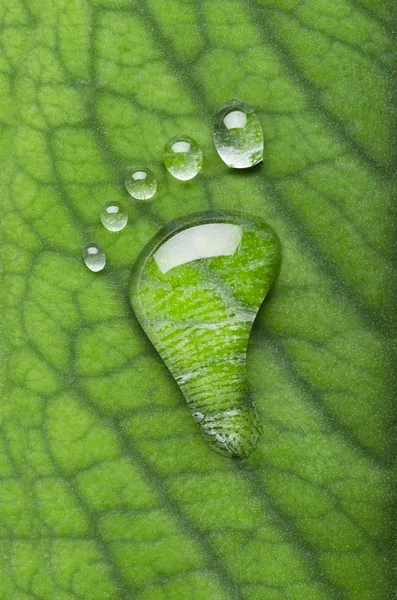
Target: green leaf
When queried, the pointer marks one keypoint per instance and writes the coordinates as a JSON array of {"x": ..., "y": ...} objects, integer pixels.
[{"x": 107, "y": 489}]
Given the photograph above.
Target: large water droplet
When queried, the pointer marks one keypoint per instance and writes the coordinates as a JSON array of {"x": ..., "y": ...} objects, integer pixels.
[
  {"x": 141, "y": 184},
  {"x": 183, "y": 157},
  {"x": 114, "y": 216},
  {"x": 238, "y": 135},
  {"x": 94, "y": 257},
  {"x": 196, "y": 290}
]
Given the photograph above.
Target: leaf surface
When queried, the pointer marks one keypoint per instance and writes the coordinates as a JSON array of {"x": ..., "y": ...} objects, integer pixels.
[{"x": 107, "y": 490}]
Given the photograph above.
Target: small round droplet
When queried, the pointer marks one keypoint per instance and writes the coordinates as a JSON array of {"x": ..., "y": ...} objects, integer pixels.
[
  {"x": 238, "y": 135},
  {"x": 141, "y": 184},
  {"x": 183, "y": 157},
  {"x": 94, "y": 257},
  {"x": 114, "y": 216}
]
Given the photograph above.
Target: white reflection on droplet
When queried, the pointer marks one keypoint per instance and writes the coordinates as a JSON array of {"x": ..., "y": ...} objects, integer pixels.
[
  {"x": 181, "y": 147},
  {"x": 139, "y": 175},
  {"x": 202, "y": 241},
  {"x": 235, "y": 120}
]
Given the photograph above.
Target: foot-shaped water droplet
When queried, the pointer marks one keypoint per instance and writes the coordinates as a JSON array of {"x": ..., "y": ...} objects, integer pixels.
[
  {"x": 238, "y": 135},
  {"x": 196, "y": 290}
]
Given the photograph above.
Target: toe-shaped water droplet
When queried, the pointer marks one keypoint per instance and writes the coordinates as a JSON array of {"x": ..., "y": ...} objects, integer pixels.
[
  {"x": 141, "y": 184},
  {"x": 238, "y": 135},
  {"x": 94, "y": 257},
  {"x": 183, "y": 157},
  {"x": 196, "y": 290},
  {"x": 114, "y": 216}
]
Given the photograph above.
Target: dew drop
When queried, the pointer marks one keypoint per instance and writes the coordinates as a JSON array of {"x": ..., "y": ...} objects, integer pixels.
[
  {"x": 238, "y": 135},
  {"x": 141, "y": 184},
  {"x": 94, "y": 257},
  {"x": 183, "y": 157},
  {"x": 114, "y": 216}
]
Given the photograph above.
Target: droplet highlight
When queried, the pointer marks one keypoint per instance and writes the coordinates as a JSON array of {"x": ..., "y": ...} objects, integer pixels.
[
  {"x": 238, "y": 135},
  {"x": 196, "y": 290},
  {"x": 114, "y": 216},
  {"x": 183, "y": 157},
  {"x": 94, "y": 257},
  {"x": 141, "y": 184}
]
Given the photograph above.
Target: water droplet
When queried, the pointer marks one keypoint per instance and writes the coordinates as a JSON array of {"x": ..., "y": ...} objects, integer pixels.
[
  {"x": 94, "y": 257},
  {"x": 114, "y": 216},
  {"x": 183, "y": 157},
  {"x": 141, "y": 184},
  {"x": 196, "y": 290},
  {"x": 238, "y": 135}
]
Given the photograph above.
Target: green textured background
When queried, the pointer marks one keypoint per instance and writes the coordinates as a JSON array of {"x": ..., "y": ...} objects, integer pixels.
[{"x": 107, "y": 490}]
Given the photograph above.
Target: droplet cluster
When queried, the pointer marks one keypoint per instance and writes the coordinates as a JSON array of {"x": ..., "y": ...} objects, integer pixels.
[{"x": 238, "y": 139}]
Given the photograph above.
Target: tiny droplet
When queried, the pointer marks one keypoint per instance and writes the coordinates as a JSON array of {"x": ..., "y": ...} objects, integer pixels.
[
  {"x": 141, "y": 184},
  {"x": 238, "y": 135},
  {"x": 183, "y": 157},
  {"x": 94, "y": 257},
  {"x": 114, "y": 216}
]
